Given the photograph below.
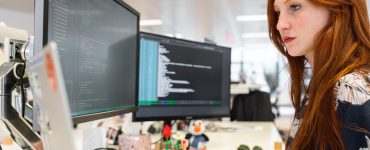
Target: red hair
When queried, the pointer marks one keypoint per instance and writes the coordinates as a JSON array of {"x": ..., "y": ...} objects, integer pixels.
[{"x": 342, "y": 47}]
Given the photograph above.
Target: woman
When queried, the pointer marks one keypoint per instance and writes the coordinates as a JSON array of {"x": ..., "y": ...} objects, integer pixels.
[{"x": 333, "y": 37}]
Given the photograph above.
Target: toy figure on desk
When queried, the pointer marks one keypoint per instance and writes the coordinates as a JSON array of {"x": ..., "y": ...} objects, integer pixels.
[
  {"x": 167, "y": 135},
  {"x": 197, "y": 138},
  {"x": 175, "y": 141}
]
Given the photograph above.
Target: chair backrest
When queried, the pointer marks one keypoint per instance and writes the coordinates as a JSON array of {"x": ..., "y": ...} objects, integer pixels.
[{"x": 254, "y": 106}]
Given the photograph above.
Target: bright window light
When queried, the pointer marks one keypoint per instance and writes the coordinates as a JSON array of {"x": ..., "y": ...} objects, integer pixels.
[
  {"x": 153, "y": 22},
  {"x": 252, "y": 18},
  {"x": 255, "y": 35}
]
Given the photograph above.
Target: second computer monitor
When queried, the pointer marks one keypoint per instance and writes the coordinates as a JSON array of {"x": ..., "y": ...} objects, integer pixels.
[
  {"x": 98, "y": 47},
  {"x": 182, "y": 79}
]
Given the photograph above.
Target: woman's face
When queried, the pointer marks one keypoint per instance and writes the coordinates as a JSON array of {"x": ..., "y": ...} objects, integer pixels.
[{"x": 300, "y": 22}]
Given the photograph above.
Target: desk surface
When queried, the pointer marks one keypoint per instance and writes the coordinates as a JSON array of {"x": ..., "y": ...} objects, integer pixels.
[
  {"x": 230, "y": 135},
  {"x": 263, "y": 134}
]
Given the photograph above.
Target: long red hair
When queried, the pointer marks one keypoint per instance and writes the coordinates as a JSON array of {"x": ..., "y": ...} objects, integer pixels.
[{"x": 342, "y": 47}]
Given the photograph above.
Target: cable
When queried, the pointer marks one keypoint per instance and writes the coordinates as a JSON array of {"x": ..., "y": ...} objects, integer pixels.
[
  {"x": 22, "y": 81},
  {"x": 104, "y": 148}
]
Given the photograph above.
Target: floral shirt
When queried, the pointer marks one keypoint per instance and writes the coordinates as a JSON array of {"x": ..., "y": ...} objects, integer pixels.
[{"x": 353, "y": 109}]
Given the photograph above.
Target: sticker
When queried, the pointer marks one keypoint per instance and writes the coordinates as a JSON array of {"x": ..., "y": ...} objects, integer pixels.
[{"x": 50, "y": 69}]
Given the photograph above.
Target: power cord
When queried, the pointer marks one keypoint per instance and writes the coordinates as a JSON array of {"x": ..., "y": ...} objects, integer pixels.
[
  {"x": 104, "y": 148},
  {"x": 22, "y": 81}
]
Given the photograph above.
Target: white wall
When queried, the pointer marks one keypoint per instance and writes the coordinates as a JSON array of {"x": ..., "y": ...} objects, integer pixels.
[{"x": 18, "y": 14}]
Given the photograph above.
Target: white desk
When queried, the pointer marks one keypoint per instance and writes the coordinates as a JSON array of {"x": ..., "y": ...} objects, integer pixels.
[
  {"x": 230, "y": 135},
  {"x": 263, "y": 134},
  {"x": 5, "y": 133},
  {"x": 14, "y": 146}
]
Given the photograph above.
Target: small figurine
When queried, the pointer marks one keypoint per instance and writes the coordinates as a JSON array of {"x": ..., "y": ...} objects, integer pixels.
[
  {"x": 176, "y": 141},
  {"x": 197, "y": 138},
  {"x": 167, "y": 135}
]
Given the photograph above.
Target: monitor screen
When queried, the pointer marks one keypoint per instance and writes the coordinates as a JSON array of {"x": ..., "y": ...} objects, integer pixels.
[
  {"x": 98, "y": 45},
  {"x": 182, "y": 79}
]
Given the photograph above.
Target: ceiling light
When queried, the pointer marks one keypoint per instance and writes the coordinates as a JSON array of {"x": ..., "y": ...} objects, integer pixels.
[
  {"x": 176, "y": 35},
  {"x": 252, "y": 18},
  {"x": 153, "y": 22},
  {"x": 170, "y": 35},
  {"x": 255, "y": 35}
]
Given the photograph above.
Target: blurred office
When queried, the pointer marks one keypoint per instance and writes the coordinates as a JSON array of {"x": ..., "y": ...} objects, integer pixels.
[{"x": 240, "y": 25}]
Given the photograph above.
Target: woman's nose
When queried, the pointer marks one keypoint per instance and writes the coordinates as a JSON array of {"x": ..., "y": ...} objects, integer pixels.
[{"x": 283, "y": 23}]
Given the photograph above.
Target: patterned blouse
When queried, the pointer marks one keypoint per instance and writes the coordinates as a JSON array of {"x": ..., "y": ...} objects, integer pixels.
[{"x": 353, "y": 107}]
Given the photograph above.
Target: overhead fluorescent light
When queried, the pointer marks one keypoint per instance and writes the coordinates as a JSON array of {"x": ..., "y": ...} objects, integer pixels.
[
  {"x": 170, "y": 35},
  {"x": 255, "y": 35},
  {"x": 176, "y": 35},
  {"x": 152, "y": 22},
  {"x": 252, "y": 18}
]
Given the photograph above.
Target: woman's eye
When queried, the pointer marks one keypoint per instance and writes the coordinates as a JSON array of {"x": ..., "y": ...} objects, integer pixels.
[{"x": 295, "y": 7}]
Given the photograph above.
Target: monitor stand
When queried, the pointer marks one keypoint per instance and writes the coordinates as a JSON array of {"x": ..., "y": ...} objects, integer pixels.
[{"x": 19, "y": 128}]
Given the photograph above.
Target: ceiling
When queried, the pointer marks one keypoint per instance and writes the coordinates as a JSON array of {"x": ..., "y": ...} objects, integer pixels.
[
  {"x": 208, "y": 19},
  {"x": 19, "y": 5},
  {"x": 214, "y": 20}
]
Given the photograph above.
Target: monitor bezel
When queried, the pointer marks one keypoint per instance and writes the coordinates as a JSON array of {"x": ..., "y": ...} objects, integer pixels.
[
  {"x": 227, "y": 64},
  {"x": 101, "y": 115}
]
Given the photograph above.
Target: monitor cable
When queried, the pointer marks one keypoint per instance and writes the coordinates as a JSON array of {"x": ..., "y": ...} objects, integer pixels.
[{"x": 23, "y": 95}]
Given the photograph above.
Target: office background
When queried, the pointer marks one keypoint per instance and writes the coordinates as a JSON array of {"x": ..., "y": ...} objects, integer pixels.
[{"x": 239, "y": 24}]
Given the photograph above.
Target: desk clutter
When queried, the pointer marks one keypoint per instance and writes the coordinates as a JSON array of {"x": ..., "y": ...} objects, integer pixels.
[
  {"x": 221, "y": 134},
  {"x": 169, "y": 139},
  {"x": 213, "y": 135},
  {"x": 194, "y": 139},
  {"x": 139, "y": 142}
]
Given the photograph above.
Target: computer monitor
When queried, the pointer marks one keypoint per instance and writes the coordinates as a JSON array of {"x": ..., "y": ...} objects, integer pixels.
[
  {"x": 181, "y": 79},
  {"x": 98, "y": 42}
]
